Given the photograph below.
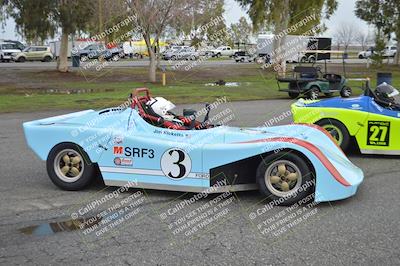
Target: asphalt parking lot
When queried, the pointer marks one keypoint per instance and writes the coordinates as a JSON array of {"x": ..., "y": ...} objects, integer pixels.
[{"x": 362, "y": 230}]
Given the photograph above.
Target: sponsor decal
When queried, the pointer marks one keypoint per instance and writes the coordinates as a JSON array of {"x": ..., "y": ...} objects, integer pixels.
[
  {"x": 133, "y": 152},
  {"x": 123, "y": 161},
  {"x": 378, "y": 133},
  {"x": 356, "y": 106},
  {"x": 118, "y": 149},
  {"x": 118, "y": 139}
]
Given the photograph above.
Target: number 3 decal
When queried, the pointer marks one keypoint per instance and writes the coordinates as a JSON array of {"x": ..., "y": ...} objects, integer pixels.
[{"x": 176, "y": 163}]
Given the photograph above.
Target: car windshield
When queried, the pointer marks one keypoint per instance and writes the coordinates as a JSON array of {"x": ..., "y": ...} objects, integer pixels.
[
  {"x": 8, "y": 46},
  {"x": 397, "y": 99},
  {"x": 26, "y": 49}
]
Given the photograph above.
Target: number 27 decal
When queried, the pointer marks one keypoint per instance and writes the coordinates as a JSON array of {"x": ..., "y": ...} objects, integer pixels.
[{"x": 378, "y": 133}]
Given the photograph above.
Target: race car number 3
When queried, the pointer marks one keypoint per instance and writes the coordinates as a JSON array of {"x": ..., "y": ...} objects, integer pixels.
[{"x": 176, "y": 163}]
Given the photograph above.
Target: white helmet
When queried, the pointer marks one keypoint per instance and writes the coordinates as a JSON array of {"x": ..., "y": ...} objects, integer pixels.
[{"x": 160, "y": 106}]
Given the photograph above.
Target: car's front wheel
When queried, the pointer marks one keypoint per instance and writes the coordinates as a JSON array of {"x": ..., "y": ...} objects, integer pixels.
[
  {"x": 285, "y": 177},
  {"x": 47, "y": 59},
  {"x": 337, "y": 130},
  {"x": 69, "y": 167}
]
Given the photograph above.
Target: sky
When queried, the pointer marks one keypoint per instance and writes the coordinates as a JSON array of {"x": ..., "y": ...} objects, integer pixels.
[{"x": 344, "y": 14}]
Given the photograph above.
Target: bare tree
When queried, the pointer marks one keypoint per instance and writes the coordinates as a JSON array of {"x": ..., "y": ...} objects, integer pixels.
[
  {"x": 363, "y": 38},
  {"x": 153, "y": 17},
  {"x": 345, "y": 35}
]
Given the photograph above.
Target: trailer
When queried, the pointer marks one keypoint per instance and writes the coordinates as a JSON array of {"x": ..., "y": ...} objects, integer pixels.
[
  {"x": 290, "y": 50},
  {"x": 73, "y": 45}
]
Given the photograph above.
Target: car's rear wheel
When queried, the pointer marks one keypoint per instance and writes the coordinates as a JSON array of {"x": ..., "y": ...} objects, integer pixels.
[
  {"x": 22, "y": 59},
  {"x": 337, "y": 130},
  {"x": 69, "y": 167},
  {"x": 293, "y": 95},
  {"x": 360, "y": 56},
  {"x": 285, "y": 177}
]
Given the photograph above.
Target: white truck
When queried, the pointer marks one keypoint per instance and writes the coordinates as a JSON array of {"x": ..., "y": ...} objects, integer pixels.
[
  {"x": 389, "y": 51},
  {"x": 222, "y": 51}
]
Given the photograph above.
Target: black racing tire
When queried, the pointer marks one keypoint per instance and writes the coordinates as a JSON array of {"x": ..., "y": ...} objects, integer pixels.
[
  {"x": 47, "y": 59},
  {"x": 55, "y": 159},
  {"x": 311, "y": 59},
  {"x": 293, "y": 95},
  {"x": 313, "y": 93},
  {"x": 242, "y": 60},
  {"x": 360, "y": 56},
  {"x": 22, "y": 59},
  {"x": 293, "y": 163},
  {"x": 346, "y": 92},
  {"x": 337, "y": 130}
]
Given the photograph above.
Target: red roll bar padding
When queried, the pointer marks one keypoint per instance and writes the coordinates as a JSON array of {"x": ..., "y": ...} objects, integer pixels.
[{"x": 139, "y": 100}]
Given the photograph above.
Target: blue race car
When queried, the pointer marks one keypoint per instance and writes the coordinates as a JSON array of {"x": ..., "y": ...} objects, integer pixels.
[{"x": 145, "y": 145}]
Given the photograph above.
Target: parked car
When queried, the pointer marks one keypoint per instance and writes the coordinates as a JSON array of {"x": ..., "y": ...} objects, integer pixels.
[
  {"x": 6, "y": 51},
  {"x": 33, "y": 53},
  {"x": 17, "y": 44},
  {"x": 389, "y": 51},
  {"x": 223, "y": 51},
  {"x": 243, "y": 56},
  {"x": 182, "y": 53},
  {"x": 94, "y": 51}
]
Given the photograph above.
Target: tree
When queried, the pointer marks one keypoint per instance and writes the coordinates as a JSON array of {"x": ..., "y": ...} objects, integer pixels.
[
  {"x": 153, "y": 17},
  {"x": 241, "y": 31},
  {"x": 376, "y": 13},
  {"x": 345, "y": 34},
  {"x": 42, "y": 18},
  {"x": 392, "y": 9},
  {"x": 203, "y": 12},
  {"x": 107, "y": 14},
  {"x": 280, "y": 15},
  {"x": 363, "y": 38}
]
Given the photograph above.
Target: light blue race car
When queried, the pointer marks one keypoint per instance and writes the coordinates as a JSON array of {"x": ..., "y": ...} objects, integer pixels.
[{"x": 143, "y": 144}]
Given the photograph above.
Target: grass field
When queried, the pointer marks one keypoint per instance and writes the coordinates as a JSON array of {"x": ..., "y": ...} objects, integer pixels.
[{"x": 27, "y": 90}]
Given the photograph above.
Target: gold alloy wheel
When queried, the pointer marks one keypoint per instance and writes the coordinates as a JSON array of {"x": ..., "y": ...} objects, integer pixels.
[
  {"x": 282, "y": 178},
  {"x": 68, "y": 165}
]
